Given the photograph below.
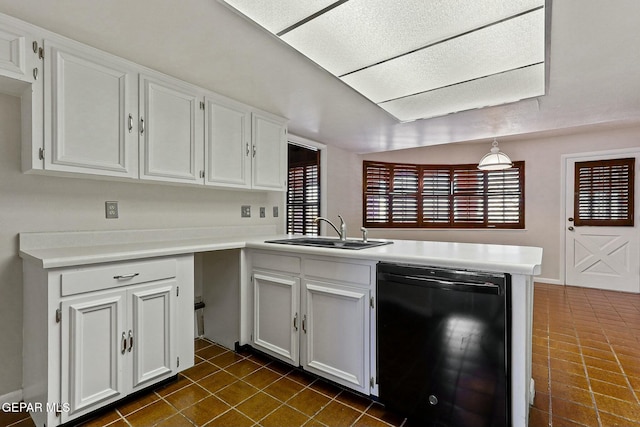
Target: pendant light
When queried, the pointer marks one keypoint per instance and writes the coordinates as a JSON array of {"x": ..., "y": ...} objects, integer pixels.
[{"x": 495, "y": 160}]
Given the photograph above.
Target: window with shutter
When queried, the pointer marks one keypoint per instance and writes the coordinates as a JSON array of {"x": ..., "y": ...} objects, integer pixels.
[
  {"x": 406, "y": 195},
  {"x": 604, "y": 192},
  {"x": 303, "y": 191}
]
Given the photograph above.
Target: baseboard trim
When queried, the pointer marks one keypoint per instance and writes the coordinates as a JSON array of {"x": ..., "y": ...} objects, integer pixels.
[
  {"x": 547, "y": 280},
  {"x": 14, "y": 396}
]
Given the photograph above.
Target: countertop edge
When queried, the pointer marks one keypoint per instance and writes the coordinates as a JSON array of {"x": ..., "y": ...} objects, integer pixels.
[{"x": 456, "y": 255}]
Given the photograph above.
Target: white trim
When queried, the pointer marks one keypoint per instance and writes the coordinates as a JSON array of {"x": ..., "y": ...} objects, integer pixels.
[
  {"x": 14, "y": 396},
  {"x": 298, "y": 140},
  {"x": 590, "y": 155},
  {"x": 548, "y": 281}
]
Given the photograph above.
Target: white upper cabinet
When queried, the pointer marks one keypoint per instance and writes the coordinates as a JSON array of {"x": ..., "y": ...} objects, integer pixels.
[
  {"x": 88, "y": 112},
  {"x": 14, "y": 45},
  {"x": 171, "y": 131},
  {"x": 228, "y": 143},
  {"x": 269, "y": 155},
  {"x": 90, "y": 109}
]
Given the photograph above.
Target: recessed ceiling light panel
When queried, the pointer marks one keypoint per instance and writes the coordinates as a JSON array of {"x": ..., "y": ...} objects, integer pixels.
[
  {"x": 360, "y": 33},
  {"x": 417, "y": 58},
  {"x": 493, "y": 90}
]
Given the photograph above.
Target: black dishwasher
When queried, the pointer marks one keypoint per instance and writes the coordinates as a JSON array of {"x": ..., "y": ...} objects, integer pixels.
[{"x": 443, "y": 345}]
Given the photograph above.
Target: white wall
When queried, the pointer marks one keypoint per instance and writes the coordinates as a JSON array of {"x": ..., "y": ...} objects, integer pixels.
[
  {"x": 45, "y": 203},
  {"x": 542, "y": 155}
]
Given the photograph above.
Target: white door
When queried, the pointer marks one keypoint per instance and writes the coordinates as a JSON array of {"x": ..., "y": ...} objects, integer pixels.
[
  {"x": 171, "y": 131},
  {"x": 151, "y": 332},
  {"x": 604, "y": 257},
  {"x": 335, "y": 331},
  {"x": 90, "y": 107},
  {"x": 228, "y": 143},
  {"x": 93, "y": 350},
  {"x": 276, "y": 316},
  {"x": 269, "y": 152}
]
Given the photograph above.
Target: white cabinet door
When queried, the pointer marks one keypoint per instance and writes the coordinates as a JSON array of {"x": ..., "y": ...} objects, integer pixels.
[
  {"x": 228, "y": 139},
  {"x": 336, "y": 333},
  {"x": 277, "y": 315},
  {"x": 171, "y": 131},
  {"x": 90, "y": 110},
  {"x": 93, "y": 349},
  {"x": 15, "y": 48},
  {"x": 151, "y": 332},
  {"x": 269, "y": 153}
]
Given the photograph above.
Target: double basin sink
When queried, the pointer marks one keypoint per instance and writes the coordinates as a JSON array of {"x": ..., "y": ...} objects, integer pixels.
[{"x": 322, "y": 242}]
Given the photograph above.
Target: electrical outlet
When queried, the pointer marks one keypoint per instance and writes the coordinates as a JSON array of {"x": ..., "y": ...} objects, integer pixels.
[
  {"x": 245, "y": 211},
  {"x": 275, "y": 212},
  {"x": 263, "y": 212},
  {"x": 111, "y": 210}
]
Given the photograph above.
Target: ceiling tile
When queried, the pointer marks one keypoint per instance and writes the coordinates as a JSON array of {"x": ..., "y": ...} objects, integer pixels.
[
  {"x": 508, "y": 45},
  {"x": 360, "y": 33},
  {"x": 497, "y": 89},
  {"x": 276, "y": 16}
]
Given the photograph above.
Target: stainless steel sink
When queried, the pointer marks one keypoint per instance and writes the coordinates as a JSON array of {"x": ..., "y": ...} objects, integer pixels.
[{"x": 322, "y": 242}]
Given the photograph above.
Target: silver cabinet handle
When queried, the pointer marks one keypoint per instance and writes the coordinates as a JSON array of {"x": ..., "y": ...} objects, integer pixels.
[
  {"x": 130, "y": 340},
  {"x": 130, "y": 123},
  {"x": 304, "y": 323},
  {"x": 248, "y": 151},
  {"x": 124, "y": 343},
  {"x": 141, "y": 125},
  {"x": 35, "y": 74},
  {"x": 126, "y": 276},
  {"x": 295, "y": 322},
  {"x": 254, "y": 150}
]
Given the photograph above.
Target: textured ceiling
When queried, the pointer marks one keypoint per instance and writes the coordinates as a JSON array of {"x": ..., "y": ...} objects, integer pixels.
[{"x": 592, "y": 80}]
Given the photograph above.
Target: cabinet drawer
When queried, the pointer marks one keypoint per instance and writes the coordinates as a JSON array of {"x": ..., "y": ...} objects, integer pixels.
[
  {"x": 268, "y": 261},
  {"x": 114, "y": 275},
  {"x": 348, "y": 272}
]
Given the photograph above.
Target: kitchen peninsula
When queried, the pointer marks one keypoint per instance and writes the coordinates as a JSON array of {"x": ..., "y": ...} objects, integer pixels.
[{"x": 135, "y": 277}]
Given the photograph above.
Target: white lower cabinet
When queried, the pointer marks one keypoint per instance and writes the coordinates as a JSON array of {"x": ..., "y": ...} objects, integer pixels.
[
  {"x": 277, "y": 315},
  {"x": 315, "y": 313},
  {"x": 336, "y": 333},
  {"x": 116, "y": 328}
]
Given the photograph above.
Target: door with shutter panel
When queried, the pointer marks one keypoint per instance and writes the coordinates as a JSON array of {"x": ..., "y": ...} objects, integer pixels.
[{"x": 601, "y": 238}]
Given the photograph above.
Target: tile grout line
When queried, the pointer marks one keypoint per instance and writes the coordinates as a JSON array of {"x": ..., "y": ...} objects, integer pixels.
[{"x": 584, "y": 363}]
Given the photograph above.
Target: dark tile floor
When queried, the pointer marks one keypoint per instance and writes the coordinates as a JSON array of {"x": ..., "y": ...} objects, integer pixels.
[
  {"x": 586, "y": 357},
  {"x": 586, "y": 364}
]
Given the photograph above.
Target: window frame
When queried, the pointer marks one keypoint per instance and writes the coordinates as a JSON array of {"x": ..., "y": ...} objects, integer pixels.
[{"x": 452, "y": 198}]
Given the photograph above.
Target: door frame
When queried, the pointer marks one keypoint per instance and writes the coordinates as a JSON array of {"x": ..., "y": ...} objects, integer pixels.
[{"x": 586, "y": 156}]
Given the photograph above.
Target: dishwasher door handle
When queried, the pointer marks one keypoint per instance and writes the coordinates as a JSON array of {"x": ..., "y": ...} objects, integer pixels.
[{"x": 434, "y": 282}]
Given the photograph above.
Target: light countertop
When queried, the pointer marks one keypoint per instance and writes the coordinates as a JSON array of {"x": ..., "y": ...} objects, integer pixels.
[{"x": 56, "y": 250}]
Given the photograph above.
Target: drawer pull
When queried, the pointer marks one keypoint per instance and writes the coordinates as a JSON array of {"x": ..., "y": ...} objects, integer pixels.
[
  {"x": 126, "y": 276},
  {"x": 130, "y": 340},
  {"x": 124, "y": 343},
  {"x": 295, "y": 322}
]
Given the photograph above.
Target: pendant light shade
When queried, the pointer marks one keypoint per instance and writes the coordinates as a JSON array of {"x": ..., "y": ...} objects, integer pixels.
[{"x": 495, "y": 159}]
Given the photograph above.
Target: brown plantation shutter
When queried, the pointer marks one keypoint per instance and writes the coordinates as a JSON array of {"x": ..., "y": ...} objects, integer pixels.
[
  {"x": 404, "y": 199},
  {"x": 468, "y": 197},
  {"x": 445, "y": 196},
  {"x": 303, "y": 191},
  {"x": 377, "y": 186},
  {"x": 436, "y": 200},
  {"x": 603, "y": 193},
  {"x": 504, "y": 197}
]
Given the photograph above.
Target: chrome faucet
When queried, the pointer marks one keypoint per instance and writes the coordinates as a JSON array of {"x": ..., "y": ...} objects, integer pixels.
[{"x": 343, "y": 227}]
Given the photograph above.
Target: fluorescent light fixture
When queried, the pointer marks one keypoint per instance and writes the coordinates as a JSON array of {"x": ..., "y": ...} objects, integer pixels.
[{"x": 416, "y": 58}]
